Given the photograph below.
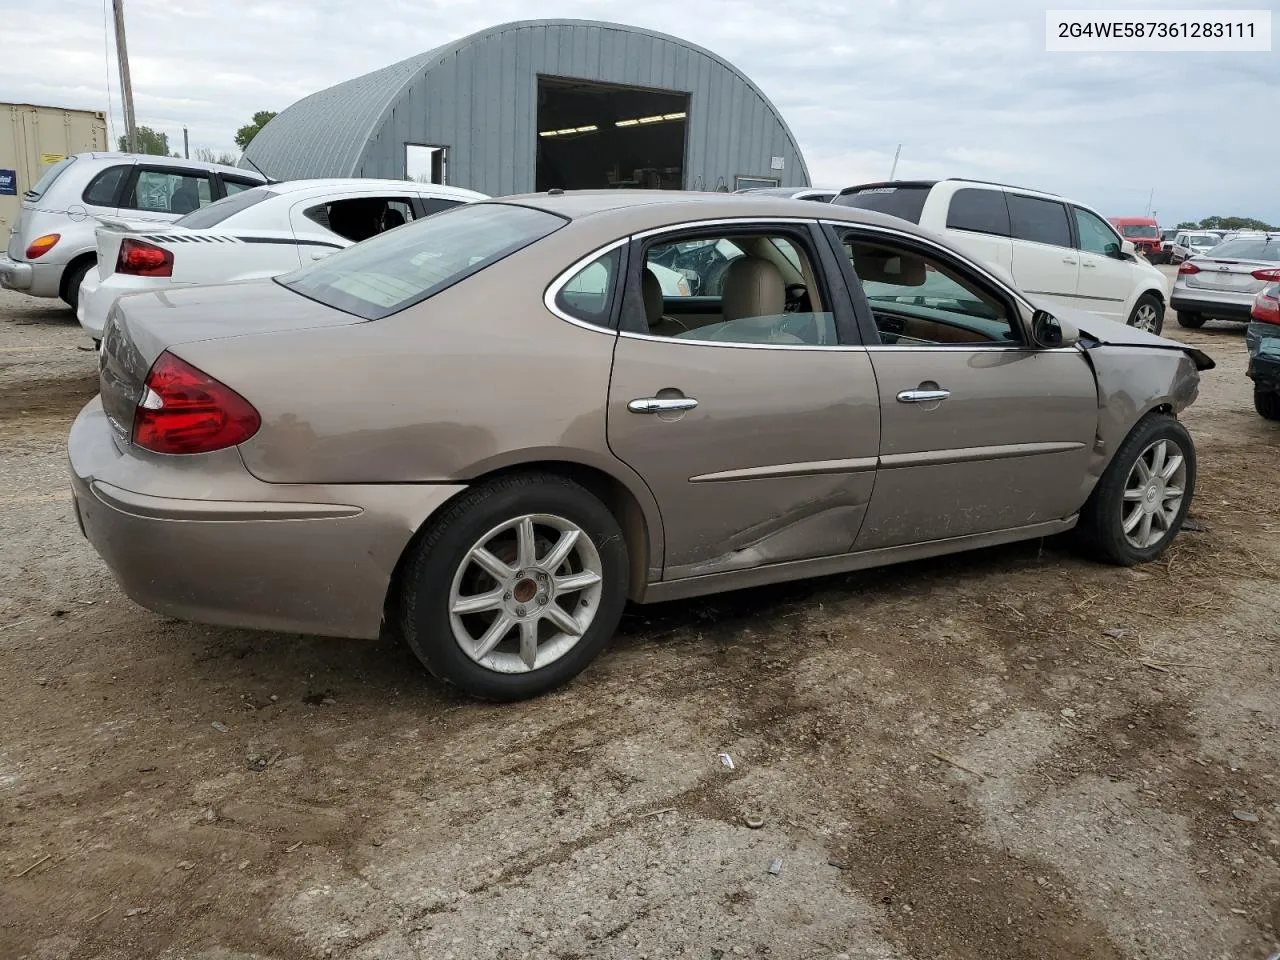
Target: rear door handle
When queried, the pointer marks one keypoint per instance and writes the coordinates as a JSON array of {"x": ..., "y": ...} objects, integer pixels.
[
  {"x": 1069, "y": 260},
  {"x": 923, "y": 396},
  {"x": 661, "y": 404},
  {"x": 1091, "y": 266}
]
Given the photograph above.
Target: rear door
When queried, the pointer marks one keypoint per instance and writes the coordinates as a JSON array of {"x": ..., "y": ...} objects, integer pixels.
[
  {"x": 1106, "y": 280},
  {"x": 980, "y": 431},
  {"x": 1045, "y": 260},
  {"x": 756, "y": 426},
  {"x": 163, "y": 194},
  {"x": 977, "y": 221}
]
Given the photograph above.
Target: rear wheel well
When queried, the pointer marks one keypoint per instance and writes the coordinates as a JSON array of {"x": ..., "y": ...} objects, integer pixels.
[
  {"x": 611, "y": 492},
  {"x": 70, "y": 270}
]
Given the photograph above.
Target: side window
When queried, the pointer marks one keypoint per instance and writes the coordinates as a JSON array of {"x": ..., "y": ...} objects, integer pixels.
[
  {"x": 918, "y": 300},
  {"x": 1040, "y": 221},
  {"x": 360, "y": 218},
  {"x": 163, "y": 191},
  {"x": 982, "y": 211},
  {"x": 105, "y": 187},
  {"x": 1096, "y": 236},
  {"x": 233, "y": 186},
  {"x": 432, "y": 205},
  {"x": 758, "y": 288},
  {"x": 588, "y": 294}
]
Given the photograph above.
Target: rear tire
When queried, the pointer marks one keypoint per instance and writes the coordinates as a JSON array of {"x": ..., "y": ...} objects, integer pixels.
[
  {"x": 1148, "y": 314},
  {"x": 1267, "y": 403},
  {"x": 477, "y": 554},
  {"x": 71, "y": 283},
  {"x": 1191, "y": 321},
  {"x": 1136, "y": 497}
]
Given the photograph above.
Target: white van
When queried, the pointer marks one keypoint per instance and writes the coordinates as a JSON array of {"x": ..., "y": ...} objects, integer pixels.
[{"x": 1050, "y": 246}]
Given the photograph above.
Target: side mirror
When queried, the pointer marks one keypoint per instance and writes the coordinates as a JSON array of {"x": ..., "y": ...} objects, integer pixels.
[{"x": 1049, "y": 332}]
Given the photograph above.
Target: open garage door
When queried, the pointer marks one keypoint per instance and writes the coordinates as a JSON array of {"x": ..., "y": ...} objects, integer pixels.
[{"x": 596, "y": 136}]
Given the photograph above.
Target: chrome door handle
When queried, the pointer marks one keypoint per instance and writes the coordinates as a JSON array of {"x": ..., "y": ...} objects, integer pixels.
[
  {"x": 1091, "y": 266},
  {"x": 923, "y": 396},
  {"x": 1069, "y": 260},
  {"x": 661, "y": 404}
]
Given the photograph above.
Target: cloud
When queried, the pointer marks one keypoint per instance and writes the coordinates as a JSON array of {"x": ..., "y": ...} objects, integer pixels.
[{"x": 964, "y": 85}]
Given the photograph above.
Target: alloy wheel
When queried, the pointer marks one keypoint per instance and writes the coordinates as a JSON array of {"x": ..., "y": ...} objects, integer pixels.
[
  {"x": 1153, "y": 493},
  {"x": 525, "y": 593},
  {"x": 1146, "y": 318}
]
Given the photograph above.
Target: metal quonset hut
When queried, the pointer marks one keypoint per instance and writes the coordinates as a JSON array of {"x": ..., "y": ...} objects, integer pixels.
[{"x": 538, "y": 104}]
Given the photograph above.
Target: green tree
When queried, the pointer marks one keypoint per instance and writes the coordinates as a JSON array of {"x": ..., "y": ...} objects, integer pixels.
[
  {"x": 151, "y": 142},
  {"x": 1226, "y": 223},
  {"x": 1187, "y": 225},
  {"x": 244, "y": 136}
]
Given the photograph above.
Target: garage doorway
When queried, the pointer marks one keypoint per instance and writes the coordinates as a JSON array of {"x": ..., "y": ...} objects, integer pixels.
[{"x": 595, "y": 136}]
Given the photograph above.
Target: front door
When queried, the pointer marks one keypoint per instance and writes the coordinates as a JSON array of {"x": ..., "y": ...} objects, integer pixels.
[
  {"x": 755, "y": 422},
  {"x": 980, "y": 431},
  {"x": 1106, "y": 280}
]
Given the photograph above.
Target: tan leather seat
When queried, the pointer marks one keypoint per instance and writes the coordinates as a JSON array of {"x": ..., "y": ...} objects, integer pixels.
[{"x": 753, "y": 287}]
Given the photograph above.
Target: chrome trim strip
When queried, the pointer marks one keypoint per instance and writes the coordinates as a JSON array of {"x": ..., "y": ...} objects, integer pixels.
[
  {"x": 812, "y": 468},
  {"x": 1007, "y": 451},
  {"x": 1072, "y": 296},
  {"x": 553, "y": 289},
  {"x": 721, "y": 222}
]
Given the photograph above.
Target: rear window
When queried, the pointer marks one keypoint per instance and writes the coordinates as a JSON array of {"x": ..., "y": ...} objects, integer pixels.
[
  {"x": 898, "y": 201},
  {"x": 103, "y": 188},
  {"x": 394, "y": 270},
  {"x": 220, "y": 210},
  {"x": 1251, "y": 248},
  {"x": 46, "y": 180},
  {"x": 982, "y": 211}
]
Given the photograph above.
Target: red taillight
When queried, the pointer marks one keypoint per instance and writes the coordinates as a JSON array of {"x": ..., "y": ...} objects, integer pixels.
[
  {"x": 141, "y": 259},
  {"x": 42, "y": 245},
  {"x": 1270, "y": 274},
  {"x": 1266, "y": 306},
  {"x": 184, "y": 410},
  {"x": 1187, "y": 268}
]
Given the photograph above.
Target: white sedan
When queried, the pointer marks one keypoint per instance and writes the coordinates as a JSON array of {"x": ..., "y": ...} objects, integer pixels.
[{"x": 256, "y": 233}]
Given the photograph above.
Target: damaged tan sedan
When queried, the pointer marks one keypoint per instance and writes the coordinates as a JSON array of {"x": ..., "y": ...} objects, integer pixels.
[{"x": 492, "y": 427}]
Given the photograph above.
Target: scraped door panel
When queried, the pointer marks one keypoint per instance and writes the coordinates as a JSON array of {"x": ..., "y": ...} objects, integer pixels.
[
  {"x": 1009, "y": 447},
  {"x": 776, "y": 461}
]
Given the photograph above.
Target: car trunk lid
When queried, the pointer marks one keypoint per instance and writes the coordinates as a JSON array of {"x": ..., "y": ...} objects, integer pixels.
[
  {"x": 112, "y": 233},
  {"x": 142, "y": 327},
  {"x": 1233, "y": 275}
]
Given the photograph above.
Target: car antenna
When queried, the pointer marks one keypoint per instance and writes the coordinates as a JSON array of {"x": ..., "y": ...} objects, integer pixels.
[{"x": 249, "y": 160}]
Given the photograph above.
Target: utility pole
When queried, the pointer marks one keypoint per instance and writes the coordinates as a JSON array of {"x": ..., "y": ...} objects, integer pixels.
[
  {"x": 895, "y": 161},
  {"x": 186, "y": 143},
  {"x": 1150, "y": 197},
  {"x": 126, "y": 85}
]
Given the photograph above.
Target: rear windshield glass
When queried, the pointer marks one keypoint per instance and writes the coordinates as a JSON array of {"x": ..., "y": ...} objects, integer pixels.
[
  {"x": 904, "y": 202},
  {"x": 219, "y": 210},
  {"x": 50, "y": 175},
  {"x": 1252, "y": 248},
  {"x": 1141, "y": 231},
  {"x": 397, "y": 269}
]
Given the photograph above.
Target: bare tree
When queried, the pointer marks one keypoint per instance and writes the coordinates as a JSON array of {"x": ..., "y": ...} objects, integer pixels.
[{"x": 207, "y": 155}]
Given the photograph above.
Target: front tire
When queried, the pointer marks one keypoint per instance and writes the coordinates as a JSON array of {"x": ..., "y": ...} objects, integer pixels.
[
  {"x": 1192, "y": 321},
  {"x": 1139, "y": 504},
  {"x": 1148, "y": 314},
  {"x": 1267, "y": 403},
  {"x": 516, "y": 588}
]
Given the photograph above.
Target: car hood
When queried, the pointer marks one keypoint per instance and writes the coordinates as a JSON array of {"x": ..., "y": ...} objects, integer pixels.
[{"x": 1096, "y": 331}]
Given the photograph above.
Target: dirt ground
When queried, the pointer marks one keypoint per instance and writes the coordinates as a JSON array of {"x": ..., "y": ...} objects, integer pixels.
[{"x": 1010, "y": 754}]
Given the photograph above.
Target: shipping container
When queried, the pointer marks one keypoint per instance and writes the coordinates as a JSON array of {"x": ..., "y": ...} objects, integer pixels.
[{"x": 32, "y": 138}]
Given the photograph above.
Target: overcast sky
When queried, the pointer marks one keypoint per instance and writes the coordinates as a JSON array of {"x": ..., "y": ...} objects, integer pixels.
[{"x": 964, "y": 85}]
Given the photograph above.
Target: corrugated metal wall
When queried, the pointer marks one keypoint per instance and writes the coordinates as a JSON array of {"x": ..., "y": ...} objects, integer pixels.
[{"x": 478, "y": 97}]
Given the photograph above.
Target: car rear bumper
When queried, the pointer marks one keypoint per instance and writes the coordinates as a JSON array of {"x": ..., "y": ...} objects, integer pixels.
[
  {"x": 1223, "y": 304},
  {"x": 98, "y": 296},
  {"x": 290, "y": 557},
  {"x": 1263, "y": 341},
  {"x": 36, "y": 279}
]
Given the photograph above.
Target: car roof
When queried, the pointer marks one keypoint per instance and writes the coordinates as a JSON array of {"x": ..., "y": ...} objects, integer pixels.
[
  {"x": 161, "y": 161},
  {"x": 368, "y": 183},
  {"x": 638, "y": 210},
  {"x": 784, "y": 191},
  {"x": 1130, "y": 221},
  {"x": 960, "y": 181}
]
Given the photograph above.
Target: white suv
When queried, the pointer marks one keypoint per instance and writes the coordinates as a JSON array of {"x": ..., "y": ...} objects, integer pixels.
[
  {"x": 52, "y": 245},
  {"x": 1051, "y": 247}
]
